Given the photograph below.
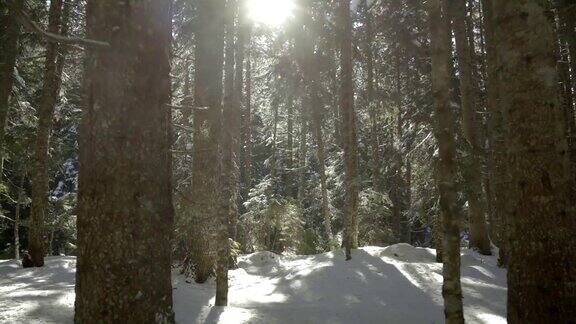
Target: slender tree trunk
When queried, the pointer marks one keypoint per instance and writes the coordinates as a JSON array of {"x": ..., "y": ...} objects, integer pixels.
[
  {"x": 40, "y": 179},
  {"x": 303, "y": 154},
  {"x": 348, "y": 130},
  {"x": 370, "y": 102},
  {"x": 496, "y": 140},
  {"x": 228, "y": 145},
  {"x": 243, "y": 33},
  {"x": 444, "y": 132},
  {"x": 315, "y": 107},
  {"x": 290, "y": 145},
  {"x": 125, "y": 213},
  {"x": 247, "y": 119},
  {"x": 207, "y": 124},
  {"x": 540, "y": 203},
  {"x": 17, "y": 216},
  {"x": 274, "y": 158},
  {"x": 469, "y": 99},
  {"x": 305, "y": 43},
  {"x": 9, "y": 35}
]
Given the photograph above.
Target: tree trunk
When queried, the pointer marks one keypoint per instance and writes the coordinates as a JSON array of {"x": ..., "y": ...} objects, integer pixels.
[
  {"x": 303, "y": 155},
  {"x": 125, "y": 213},
  {"x": 290, "y": 144},
  {"x": 496, "y": 140},
  {"x": 304, "y": 47},
  {"x": 10, "y": 31},
  {"x": 540, "y": 203},
  {"x": 40, "y": 178},
  {"x": 469, "y": 99},
  {"x": 206, "y": 158},
  {"x": 17, "y": 216},
  {"x": 348, "y": 130},
  {"x": 370, "y": 102},
  {"x": 243, "y": 33},
  {"x": 229, "y": 117},
  {"x": 247, "y": 119},
  {"x": 444, "y": 132}
]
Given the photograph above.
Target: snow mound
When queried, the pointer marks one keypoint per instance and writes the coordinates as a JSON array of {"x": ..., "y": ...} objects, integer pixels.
[
  {"x": 407, "y": 253},
  {"x": 259, "y": 259}
]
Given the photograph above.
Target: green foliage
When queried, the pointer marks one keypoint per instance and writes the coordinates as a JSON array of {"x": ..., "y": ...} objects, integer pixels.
[
  {"x": 375, "y": 218},
  {"x": 271, "y": 223}
]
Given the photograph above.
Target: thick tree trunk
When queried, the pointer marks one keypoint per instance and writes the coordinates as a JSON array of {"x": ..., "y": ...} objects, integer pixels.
[
  {"x": 444, "y": 132},
  {"x": 207, "y": 124},
  {"x": 40, "y": 179},
  {"x": 125, "y": 212},
  {"x": 9, "y": 35},
  {"x": 348, "y": 130},
  {"x": 472, "y": 172},
  {"x": 540, "y": 203}
]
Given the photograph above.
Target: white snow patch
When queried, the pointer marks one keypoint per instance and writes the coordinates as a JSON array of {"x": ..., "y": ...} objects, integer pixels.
[{"x": 394, "y": 284}]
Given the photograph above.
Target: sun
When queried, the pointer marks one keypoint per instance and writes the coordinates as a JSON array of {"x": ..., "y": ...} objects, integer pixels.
[{"x": 270, "y": 12}]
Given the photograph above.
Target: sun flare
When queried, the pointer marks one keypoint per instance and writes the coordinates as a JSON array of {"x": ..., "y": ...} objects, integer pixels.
[{"x": 270, "y": 12}]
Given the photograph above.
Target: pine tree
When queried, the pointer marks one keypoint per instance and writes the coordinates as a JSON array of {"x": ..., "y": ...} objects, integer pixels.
[
  {"x": 209, "y": 57},
  {"x": 471, "y": 127},
  {"x": 125, "y": 212},
  {"x": 540, "y": 204},
  {"x": 349, "y": 140},
  {"x": 446, "y": 172},
  {"x": 51, "y": 88}
]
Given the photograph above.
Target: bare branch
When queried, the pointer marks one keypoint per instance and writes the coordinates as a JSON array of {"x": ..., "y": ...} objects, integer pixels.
[{"x": 31, "y": 25}]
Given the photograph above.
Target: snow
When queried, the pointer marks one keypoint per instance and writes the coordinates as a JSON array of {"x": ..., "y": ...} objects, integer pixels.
[{"x": 394, "y": 284}]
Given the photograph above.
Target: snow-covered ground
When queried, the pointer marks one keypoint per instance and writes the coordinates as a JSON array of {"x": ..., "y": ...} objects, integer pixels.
[{"x": 395, "y": 284}]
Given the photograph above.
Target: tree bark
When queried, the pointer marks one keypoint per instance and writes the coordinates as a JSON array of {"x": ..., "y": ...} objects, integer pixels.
[
  {"x": 207, "y": 124},
  {"x": 40, "y": 179},
  {"x": 17, "y": 216},
  {"x": 496, "y": 140},
  {"x": 10, "y": 33},
  {"x": 444, "y": 132},
  {"x": 540, "y": 203},
  {"x": 125, "y": 212},
  {"x": 228, "y": 146},
  {"x": 349, "y": 140},
  {"x": 469, "y": 99}
]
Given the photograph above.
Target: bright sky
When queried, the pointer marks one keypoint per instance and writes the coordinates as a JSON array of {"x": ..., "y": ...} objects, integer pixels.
[{"x": 270, "y": 12}]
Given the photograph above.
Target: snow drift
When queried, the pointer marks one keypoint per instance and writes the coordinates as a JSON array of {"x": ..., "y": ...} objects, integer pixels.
[{"x": 394, "y": 284}]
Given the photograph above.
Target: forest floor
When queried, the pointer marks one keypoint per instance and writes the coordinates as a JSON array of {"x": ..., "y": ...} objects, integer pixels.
[{"x": 395, "y": 284}]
